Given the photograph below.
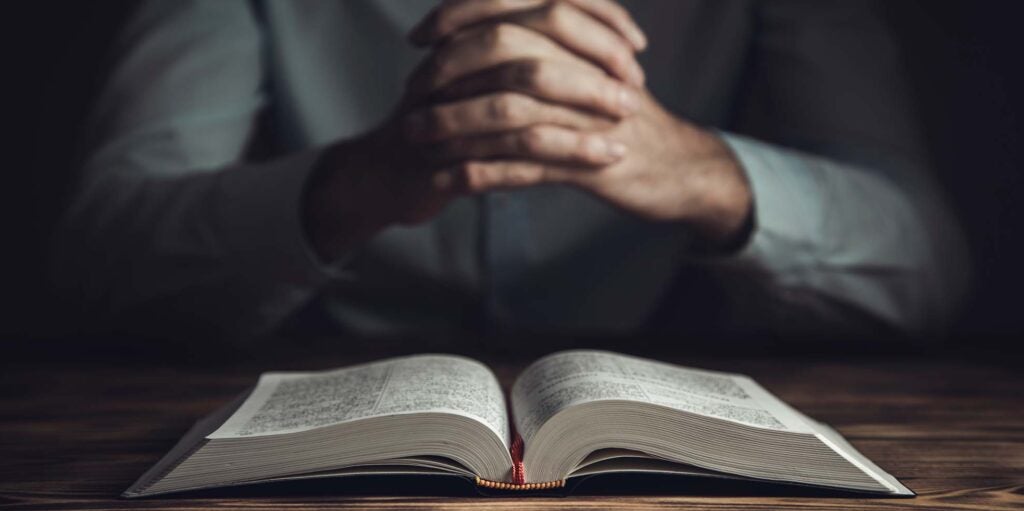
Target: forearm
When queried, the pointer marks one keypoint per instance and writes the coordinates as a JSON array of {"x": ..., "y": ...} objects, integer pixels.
[
  {"x": 347, "y": 199},
  {"x": 169, "y": 223},
  {"x": 849, "y": 236},
  {"x": 219, "y": 250}
]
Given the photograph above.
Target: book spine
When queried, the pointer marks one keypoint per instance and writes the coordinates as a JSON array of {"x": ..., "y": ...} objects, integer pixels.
[
  {"x": 498, "y": 485},
  {"x": 516, "y": 450},
  {"x": 518, "y": 472}
]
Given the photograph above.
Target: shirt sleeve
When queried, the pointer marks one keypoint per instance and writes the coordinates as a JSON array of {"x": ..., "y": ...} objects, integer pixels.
[
  {"x": 168, "y": 228},
  {"x": 828, "y": 233},
  {"x": 848, "y": 222}
]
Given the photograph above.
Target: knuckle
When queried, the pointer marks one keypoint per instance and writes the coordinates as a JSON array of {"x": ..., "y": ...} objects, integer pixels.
[
  {"x": 525, "y": 174},
  {"x": 558, "y": 15},
  {"x": 507, "y": 108},
  {"x": 501, "y": 35},
  {"x": 606, "y": 96},
  {"x": 500, "y": 108},
  {"x": 533, "y": 139},
  {"x": 616, "y": 57},
  {"x": 526, "y": 72},
  {"x": 588, "y": 148},
  {"x": 472, "y": 176},
  {"x": 620, "y": 59},
  {"x": 536, "y": 75},
  {"x": 618, "y": 12}
]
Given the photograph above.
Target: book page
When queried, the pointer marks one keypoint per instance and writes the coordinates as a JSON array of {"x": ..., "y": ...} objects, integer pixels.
[
  {"x": 292, "y": 402},
  {"x": 564, "y": 379}
]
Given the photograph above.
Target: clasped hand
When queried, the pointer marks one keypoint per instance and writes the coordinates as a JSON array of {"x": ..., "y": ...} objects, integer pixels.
[{"x": 517, "y": 93}]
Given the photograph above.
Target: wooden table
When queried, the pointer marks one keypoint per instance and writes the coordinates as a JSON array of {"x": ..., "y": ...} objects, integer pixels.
[{"x": 74, "y": 434}]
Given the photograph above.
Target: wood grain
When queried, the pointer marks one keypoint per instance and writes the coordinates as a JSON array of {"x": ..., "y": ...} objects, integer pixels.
[{"x": 74, "y": 435}]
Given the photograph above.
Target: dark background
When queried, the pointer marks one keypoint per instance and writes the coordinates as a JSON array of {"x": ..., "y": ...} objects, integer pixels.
[{"x": 964, "y": 57}]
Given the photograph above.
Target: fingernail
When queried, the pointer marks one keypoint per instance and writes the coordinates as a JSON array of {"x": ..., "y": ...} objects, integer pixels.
[
  {"x": 628, "y": 100},
  {"x": 617, "y": 149}
]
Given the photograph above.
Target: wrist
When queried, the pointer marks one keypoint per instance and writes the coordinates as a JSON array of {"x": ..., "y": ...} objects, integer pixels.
[
  {"x": 337, "y": 210},
  {"x": 727, "y": 213}
]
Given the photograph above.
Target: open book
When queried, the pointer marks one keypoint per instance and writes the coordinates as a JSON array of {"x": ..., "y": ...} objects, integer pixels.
[{"x": 573, "y": 414}]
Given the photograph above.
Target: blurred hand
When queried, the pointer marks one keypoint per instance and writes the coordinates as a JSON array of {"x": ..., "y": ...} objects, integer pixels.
[
  {"x": 651, "y": 164},
  {"x": 519, "y": 93},
  {"x": 600, "y": 32},
  {"x": 507, "y": 81},
  {"x": 529, "y": 92}
]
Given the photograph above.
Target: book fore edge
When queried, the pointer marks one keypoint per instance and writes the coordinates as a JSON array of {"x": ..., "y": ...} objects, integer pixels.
[
  {"x": 142, "y": 486},
  {"x": 516, "y": 451}
]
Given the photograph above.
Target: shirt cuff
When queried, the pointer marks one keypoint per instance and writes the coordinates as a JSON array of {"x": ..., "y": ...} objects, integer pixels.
[
  {"x": 787, "y": 208},
  {"x": 263, "y": 228}
]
